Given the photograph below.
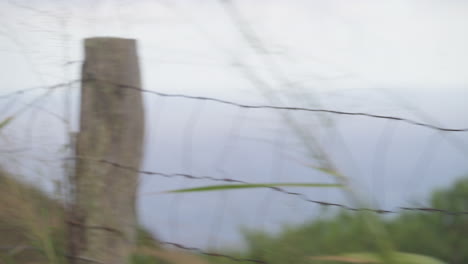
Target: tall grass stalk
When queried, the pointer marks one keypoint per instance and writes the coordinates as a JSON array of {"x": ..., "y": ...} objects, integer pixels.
[{"x": 27, "y": 209}]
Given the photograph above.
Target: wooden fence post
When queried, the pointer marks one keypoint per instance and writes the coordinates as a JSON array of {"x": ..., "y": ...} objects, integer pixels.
[{"x": 103, "y": 220}]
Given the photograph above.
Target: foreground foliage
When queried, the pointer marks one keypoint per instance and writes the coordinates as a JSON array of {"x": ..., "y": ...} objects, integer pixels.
[
  {"x": 32, "y": 230},
  {"x": 424, "y": 237},
  {"x": 29, "y": 219}
]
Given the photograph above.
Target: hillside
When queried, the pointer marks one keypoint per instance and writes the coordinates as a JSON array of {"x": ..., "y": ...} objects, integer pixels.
[{"x": 32, "y": 230}]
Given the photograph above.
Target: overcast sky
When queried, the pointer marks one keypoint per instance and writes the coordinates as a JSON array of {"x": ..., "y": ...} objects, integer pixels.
[{"x": 401, "y": 58}]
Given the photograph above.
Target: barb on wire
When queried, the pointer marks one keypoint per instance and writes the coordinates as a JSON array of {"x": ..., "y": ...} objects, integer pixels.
[
  {"x": 289, "y": 108},
  {"x": 212, "y": 254},
  {"x": 281, "y": 190}
]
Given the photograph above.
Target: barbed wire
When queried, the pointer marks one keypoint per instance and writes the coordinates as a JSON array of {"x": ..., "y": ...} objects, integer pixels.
[
  {"x": 278, "y": 189},
  {"x": 231, "y": 180},
  {"x": 249, "y": 106},
  {"x": 406, "y": 120},
  {"x": 300, "y": 195},
  {"x": 289, "y": 108},
  {"x": 115, "y": 231},
  {"x": 177, "y": 245},
  {"x": 48, "y": 87}
]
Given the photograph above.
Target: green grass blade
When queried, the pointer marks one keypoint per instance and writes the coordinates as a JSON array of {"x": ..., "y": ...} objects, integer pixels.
[
  {"x": 225, "y": 187},
  {"x": 5, "y": 122}
]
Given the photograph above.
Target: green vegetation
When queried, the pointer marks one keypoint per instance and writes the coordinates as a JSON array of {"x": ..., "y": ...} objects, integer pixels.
[
  {"x": 226, "y": 187},
  {"x": 32, "y": 227},
  {"x": 32, "y": 230},
  {"x": 340, "y": 238}
]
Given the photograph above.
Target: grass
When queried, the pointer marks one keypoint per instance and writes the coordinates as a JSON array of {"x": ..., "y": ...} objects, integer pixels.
[
  {"x": 30, "y": 223},
  {"x": 33, "y": 231}
]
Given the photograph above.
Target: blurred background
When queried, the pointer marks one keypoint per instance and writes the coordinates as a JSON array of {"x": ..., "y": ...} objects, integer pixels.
[{"x": 391, "y": 58}]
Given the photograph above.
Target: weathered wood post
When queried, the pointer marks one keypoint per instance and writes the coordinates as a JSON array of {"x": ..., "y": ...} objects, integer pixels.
[{"x": 103, "y": 221}]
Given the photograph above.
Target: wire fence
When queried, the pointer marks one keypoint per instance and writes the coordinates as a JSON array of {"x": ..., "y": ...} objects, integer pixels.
[
  {"x": 233, "y": 180},
  {"x": 260, "y": 50},
  {"x": 277, "y": 189},
  {"x": 222, "y": 101}
]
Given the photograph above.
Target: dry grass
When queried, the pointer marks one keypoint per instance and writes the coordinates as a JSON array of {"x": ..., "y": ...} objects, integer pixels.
[
  {"x": 32, "y": 229},
  {"x": 28, "y": 219},
  {"x": 171, "y": 256}
]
